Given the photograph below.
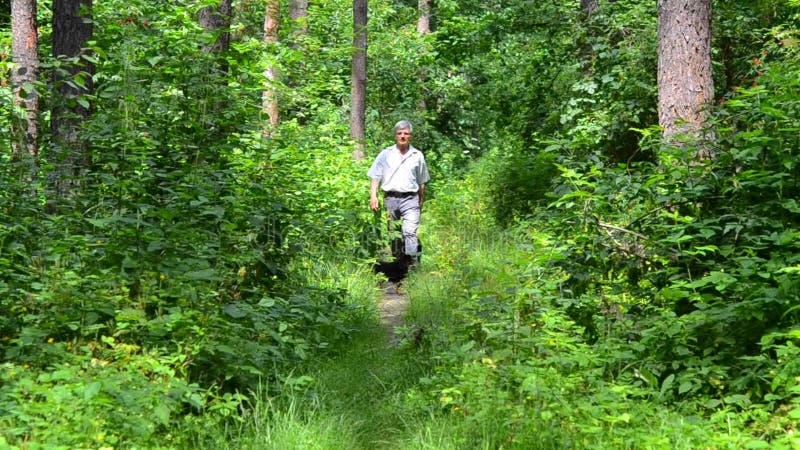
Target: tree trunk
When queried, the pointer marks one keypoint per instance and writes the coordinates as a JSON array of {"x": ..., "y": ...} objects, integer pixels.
[
  {"x": 298, "y": 13},
  {"x": 423, "y": 28},
  {"x": 587, "y": 54},
  {"x": 25, "y": 54},
  {"x": 72, "y": 28},
  {"x": 218, "y": 21},
  {"x": 424, "y": 20},
  {"x": 358, "y": 85},
  {"x": 269, "y": 97},
  {"x": 589, "y": 7},
  {"x": 685, "y": 85}
]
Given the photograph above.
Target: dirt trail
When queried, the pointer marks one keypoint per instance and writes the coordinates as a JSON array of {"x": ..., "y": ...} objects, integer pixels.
[{"x": 393, "y": 308}]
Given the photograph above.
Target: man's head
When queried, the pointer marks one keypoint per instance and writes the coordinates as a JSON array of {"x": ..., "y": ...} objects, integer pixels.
[
  {"x": 402, "y": 133},
  {"x": 403, "y": 124}
]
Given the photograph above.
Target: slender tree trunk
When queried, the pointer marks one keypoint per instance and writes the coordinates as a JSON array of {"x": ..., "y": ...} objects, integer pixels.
[
  {"x": 587, "y": 54},
  {"x": 423, "y": 28},
  {"x": 298, "y": 13},
  {"x": 358, "y": 85},
  {"x": 269, "y": 98},
  {"x": 589, "y": 7},
  {"x": 72, "y": 28},
  {"x": 424, "y": 20},
  {"x": 25, "y": 54},
  {"x": 217, "y": 20},
  {"x": 685, "y": 85}
]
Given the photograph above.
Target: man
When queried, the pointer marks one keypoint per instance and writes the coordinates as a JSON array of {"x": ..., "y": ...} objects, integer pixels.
[{"x": 401, "y": 173}]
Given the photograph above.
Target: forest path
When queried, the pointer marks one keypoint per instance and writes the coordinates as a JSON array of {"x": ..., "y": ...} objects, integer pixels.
[{"x": 392, "y": 308}]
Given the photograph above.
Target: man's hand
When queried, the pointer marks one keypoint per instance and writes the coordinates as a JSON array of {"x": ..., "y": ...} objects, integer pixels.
[{"x": 373, "y": 195}]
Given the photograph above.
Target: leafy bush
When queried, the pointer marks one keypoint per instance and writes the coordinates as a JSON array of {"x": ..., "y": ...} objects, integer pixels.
[
  {"x": 511, "y": 368},
  {"x": 519, "y": 183},
  {"x": 106, "y": 394}
]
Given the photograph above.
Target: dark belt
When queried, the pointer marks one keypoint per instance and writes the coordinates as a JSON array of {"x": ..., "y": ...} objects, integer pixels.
[{"x": 399, "y": 194}]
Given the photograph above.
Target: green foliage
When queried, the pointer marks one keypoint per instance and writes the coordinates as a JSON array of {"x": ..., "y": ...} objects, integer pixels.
[
  {"x": 182, "y": 242},
  {"x": 5, "y": 92},
  {"x": 106, "y": 394},
  {"x": 193, "y": 258},
  {"x": 518, "y": 184},
  {"x": 512, "y": 369},
  {"x": 682, "y": 272}
]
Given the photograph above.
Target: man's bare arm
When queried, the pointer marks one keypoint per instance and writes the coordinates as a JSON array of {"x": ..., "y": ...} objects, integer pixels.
[{"x": 374, "y": 204}]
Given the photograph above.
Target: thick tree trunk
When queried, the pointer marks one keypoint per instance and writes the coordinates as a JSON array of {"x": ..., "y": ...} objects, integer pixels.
[
  {"x": 269, "y": 98},
  {"x": 685, "y": 84},
  {"x": 217, "y": 20},
  {"x": 358, "y": 85},
  {"x": 72, "y": 28},
  {"x": 25, "y": 54}
]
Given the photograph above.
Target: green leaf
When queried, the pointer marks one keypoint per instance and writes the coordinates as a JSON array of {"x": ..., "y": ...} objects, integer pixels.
[
  {"x": 154, "y": 60},
  {"x": 737, "y": 399},
  {"x": 791, "y": 205},
  {"x": 101, "y": 222},
  {"x": 91, "y": 390},
  {"x": 162, "y": 414},
  {"x": 646, "y": 376},
  {"x": 720, "y": 280},
  {"x": 267, "y": 302},
  {"x": 667, "y": 384},
  {"x": 757, "y": 444},
  {"x": 234, "y": 311},
  {"x": 205, "y": 274}
]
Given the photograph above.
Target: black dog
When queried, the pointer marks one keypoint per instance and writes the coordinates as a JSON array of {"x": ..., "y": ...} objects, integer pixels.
[{"x": 396, "y": 269}]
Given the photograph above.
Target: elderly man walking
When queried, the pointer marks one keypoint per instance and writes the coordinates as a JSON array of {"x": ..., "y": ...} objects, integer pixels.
[{"x": 401, "y": 173}]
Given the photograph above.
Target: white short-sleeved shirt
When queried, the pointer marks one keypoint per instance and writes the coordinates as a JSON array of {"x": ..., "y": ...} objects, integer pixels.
[{"x": 397, "y": 172}]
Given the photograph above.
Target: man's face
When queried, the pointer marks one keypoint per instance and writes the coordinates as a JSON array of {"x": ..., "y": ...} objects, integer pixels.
[{"x": 402, "y": 136}]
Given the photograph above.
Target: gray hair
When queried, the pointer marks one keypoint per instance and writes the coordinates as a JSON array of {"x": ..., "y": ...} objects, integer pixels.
[{"x": 402, "y": 125}]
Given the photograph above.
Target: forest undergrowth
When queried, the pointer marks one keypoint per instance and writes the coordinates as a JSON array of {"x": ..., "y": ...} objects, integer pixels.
[{"x": 495, "y": 355}]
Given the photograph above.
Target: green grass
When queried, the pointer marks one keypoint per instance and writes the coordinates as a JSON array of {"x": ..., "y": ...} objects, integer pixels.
[{"x": 355, "y": 401}]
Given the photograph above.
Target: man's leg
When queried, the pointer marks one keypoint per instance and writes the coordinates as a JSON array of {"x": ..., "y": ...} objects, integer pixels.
[
  {"x": 409, "y": 211},
  {"x": 396, "y": 242}
]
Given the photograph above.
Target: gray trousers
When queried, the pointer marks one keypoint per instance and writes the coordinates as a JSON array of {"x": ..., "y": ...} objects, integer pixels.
[{"x": 407, "y": 209}]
